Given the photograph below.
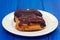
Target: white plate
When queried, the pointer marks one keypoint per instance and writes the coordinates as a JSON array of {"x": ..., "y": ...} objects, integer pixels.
[{"x": 51, "y": 25}]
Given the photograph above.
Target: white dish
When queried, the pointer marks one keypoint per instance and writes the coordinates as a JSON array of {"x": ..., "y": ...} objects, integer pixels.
[{"x": 51, "y": 25}]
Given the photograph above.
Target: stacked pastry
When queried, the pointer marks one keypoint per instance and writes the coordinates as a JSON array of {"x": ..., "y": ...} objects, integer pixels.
[{"x": 29, "y": 20}]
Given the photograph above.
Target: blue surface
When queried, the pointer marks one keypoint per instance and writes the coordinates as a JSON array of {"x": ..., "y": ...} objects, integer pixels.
[{"x": 7, "y": 6}]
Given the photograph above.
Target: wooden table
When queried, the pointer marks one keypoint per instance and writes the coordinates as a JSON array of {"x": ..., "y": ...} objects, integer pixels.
[{"x": 7, "y": 6}]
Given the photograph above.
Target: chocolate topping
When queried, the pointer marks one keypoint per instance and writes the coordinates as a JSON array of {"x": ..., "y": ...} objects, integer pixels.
[
  {"x": 19, "y": 13},
  {"x": 29, "y": 16}
]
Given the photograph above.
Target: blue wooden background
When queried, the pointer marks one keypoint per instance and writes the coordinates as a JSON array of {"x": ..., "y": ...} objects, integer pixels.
[{"x": 7, "y": 6}]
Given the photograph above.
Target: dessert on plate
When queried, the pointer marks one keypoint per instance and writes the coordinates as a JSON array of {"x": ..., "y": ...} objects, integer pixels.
[{"x": 29, "y": 20}]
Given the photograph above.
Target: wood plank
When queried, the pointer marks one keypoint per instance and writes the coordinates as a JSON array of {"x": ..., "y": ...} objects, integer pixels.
[
  {"x": 53, "y": 6},
  {"x": 6, "y": 6},
  {"x": 30, "y": 4},
  {"x": 27, "y": 4}
]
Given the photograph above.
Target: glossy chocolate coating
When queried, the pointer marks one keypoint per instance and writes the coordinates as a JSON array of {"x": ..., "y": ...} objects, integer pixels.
[
  {"x": 29, "y": 16},
  {"x": 21, "y": 12}
]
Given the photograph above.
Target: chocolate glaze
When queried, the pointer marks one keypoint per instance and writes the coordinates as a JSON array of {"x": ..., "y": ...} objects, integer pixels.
[
  {"x": 29, "y": 16},
  {"x": 21, "y": 12}
]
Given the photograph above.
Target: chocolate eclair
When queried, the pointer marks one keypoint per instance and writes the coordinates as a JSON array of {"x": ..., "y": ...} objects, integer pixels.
[{"x": 29, "y": 20}]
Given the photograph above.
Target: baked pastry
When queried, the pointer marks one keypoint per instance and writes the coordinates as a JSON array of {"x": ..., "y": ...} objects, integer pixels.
[{"x": 29, "y": 20}]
